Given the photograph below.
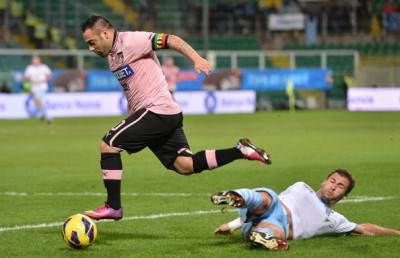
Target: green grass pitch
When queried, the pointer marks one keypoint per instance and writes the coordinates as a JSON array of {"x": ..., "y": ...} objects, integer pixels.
[{"x": 45, "y": 171}]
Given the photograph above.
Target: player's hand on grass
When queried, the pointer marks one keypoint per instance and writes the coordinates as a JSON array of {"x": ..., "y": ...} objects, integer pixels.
[{"x": 223, "y": 230}]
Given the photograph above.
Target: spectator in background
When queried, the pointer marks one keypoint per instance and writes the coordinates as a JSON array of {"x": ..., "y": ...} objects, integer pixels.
[
  {"x": 338, "y": 19},
  {"x": 38, "y": 75},
  {"x": 389, "y": 10},
  {"x": 2, "y": 35},
  {"x": 222, "y": 13},
  {"x": 389, "y": 7},
  {"x": 171, "y": 72},
  {"x": 70, "y": 44},
  {"x": 55, "y": 37},
  {"x": 17, "y": 12},
  {"x": 376, "y": 30},
  {"x": 40, "y": 34},
  {"x": 30, "y": 23},
  {"x": 147, "y": 13},
  {"x": 348, "y": 82},
  {"x": 244, "y": 16},
  {"x": 290, "y": 92},
  {"x": 270, "y": 6},
  {"x": 191, "y": 15},
  {"x": 265, "y": 8},
  {"x": 3, "y": 8},
  {"x": 311, "y": 30}
]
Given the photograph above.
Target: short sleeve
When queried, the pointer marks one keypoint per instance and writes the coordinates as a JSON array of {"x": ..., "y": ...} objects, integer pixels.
[{"x": 138, "y": 43}]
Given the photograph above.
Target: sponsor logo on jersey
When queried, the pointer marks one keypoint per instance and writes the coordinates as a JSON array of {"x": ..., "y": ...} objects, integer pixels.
[{"x": 123, "y": 73}]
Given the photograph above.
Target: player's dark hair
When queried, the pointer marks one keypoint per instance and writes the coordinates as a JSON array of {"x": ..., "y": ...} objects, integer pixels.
[
  {"x": 343, "y": 172},
  {"x": 96, "y": 22}
]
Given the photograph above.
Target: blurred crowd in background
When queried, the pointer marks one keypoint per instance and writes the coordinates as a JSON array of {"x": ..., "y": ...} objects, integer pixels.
[
  {"x": 55, "y": 24},
  {"x": 371, "y": 27}
]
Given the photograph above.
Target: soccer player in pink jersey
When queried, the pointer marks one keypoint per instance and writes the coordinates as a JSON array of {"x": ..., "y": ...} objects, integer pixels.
[{"x": 154, "y": 119}]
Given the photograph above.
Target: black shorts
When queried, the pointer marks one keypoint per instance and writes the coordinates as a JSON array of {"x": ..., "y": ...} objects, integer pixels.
[{"x": 163, "y": 134}]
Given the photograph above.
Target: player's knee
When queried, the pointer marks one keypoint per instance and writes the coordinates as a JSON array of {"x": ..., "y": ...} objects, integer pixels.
[
  {"x": 104, "y": 147},
  {"x": 193, "y": 163},
  {"x": 184, "y": 165}
]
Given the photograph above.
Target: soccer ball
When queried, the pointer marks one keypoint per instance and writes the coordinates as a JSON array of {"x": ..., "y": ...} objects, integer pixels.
[{"x": 79, "y": 231}]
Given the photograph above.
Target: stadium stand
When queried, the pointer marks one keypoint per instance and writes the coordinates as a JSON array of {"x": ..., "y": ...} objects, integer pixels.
[{"x": 235, "y": 26}]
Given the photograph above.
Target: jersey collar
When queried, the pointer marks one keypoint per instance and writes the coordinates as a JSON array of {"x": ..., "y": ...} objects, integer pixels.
[{"x": 114, "y": 40}]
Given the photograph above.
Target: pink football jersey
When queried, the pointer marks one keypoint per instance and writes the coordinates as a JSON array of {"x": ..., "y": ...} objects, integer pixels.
[
  {"x": 171, "y": 75},
  {"x": 135, "y": 64}
]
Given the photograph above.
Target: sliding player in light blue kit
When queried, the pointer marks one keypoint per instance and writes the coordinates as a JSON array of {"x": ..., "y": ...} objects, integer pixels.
[{"x": 299, "y": 212}]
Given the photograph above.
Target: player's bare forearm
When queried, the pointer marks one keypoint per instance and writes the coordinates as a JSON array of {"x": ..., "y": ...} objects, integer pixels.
[
  {"x": 372, "y": 230},
  {"x": 179, "y": 45}
]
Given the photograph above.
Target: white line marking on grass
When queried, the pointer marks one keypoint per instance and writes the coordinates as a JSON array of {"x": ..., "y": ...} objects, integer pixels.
[
  {"x": 141, "y": 217},
  {"x": 100, "y": 194},
  {"x": 354, "y": 199},
  {"x": 22, "y": 227},
  {"x": 14, "y": 194},
  {"x": 367, "y": 198}
]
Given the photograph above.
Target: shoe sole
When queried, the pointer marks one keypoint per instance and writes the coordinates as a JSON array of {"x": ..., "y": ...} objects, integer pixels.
[
  {"x": 221, "y": 198},
  {"x": 258, "y": 238},
  {"x": 263, "y": 153},
  {"x": 97, "y": 219}
]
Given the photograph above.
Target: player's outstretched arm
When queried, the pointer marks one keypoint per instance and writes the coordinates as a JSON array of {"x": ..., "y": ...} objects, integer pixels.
[
  {"x": 181, "y": 46},
  {"x": 372, "y": 230}
]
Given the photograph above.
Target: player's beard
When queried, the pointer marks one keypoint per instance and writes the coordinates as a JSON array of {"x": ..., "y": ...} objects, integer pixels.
[{"x": 102, "y": 54}]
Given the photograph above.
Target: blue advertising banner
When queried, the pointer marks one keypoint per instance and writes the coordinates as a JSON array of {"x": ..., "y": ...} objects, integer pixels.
[
  {"x": 251, "y": 79},
  {"x": 102, "y": 81},
  {"x": 278, "y": 79},
  {"x": 190, "y": 80}
]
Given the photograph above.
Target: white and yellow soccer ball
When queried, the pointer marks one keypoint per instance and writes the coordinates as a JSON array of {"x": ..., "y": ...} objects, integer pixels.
[{"x": 79, "y": 231}]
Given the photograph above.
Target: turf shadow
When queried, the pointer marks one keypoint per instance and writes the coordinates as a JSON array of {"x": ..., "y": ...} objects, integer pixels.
[{"x": 115, "y": 236}]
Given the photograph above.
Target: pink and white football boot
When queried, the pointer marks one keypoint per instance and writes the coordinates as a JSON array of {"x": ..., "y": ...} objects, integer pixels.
[
  {"x": 104, "y": 212},
  {"x": 252, "y": 152}
]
